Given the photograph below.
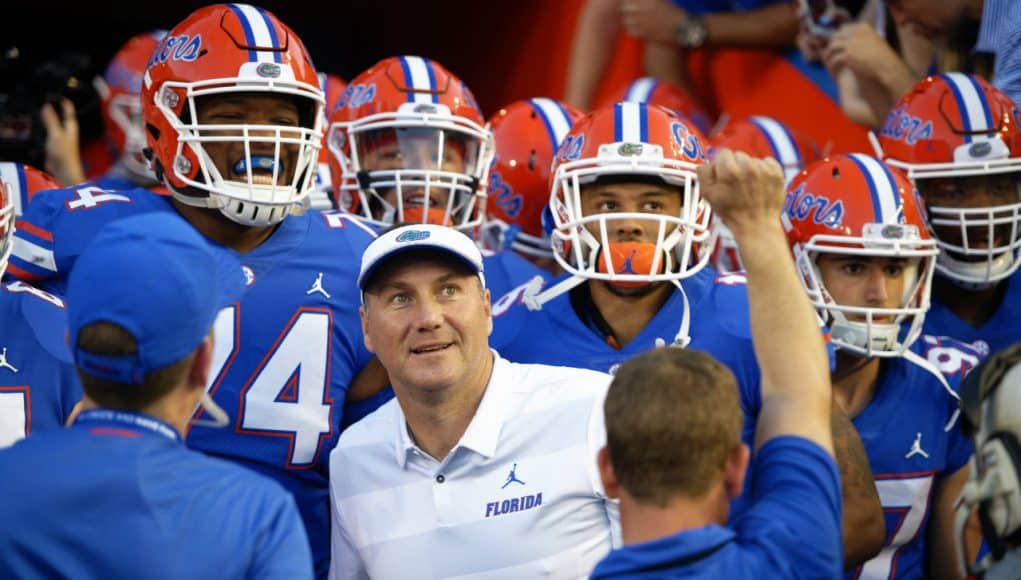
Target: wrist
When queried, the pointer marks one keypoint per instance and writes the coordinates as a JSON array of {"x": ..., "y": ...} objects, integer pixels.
[{"x": 691, "y": 32}]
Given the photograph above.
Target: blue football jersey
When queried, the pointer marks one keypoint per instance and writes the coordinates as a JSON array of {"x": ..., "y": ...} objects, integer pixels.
[
  {"x": 38, "y": 384},
  {"x": 284, "y": 355},
  {"x": 118, "y": 496},
  {"x": 506, "y": 270},
  {"x": 999, "y": 332},
  {"x": 555, "y": 335},
  {"x": 904, "y": 432}
]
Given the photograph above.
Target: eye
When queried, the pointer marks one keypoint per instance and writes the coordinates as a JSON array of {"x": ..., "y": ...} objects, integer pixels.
[
  {"x": 398, "y": 299},
  {"x": 607, "y": 205},
  {"x": 852, "y": 268},
  {"x": 653, "y": 206},
  {"x": 450, "y": 290},
  {"x": 894, "y": 270}
]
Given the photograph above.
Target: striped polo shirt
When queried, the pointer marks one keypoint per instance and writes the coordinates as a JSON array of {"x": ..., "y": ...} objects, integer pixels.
[{"x": 519, "y": 496}]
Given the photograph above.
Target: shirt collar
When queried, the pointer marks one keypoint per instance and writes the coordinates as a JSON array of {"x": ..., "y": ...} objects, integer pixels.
[
  {"x": 681, "y": 549},
  {"x": 483, "y": 431},
  {"x": 125, "y": 423}
]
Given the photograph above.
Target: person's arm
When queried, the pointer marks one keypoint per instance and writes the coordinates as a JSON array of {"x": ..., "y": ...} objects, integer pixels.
[
  {"x": 864, "y": 527},
  {"x": 942, "y": 554},
  {"x": 63, "y": 157},
  {"x": 748, "y": 195},
  {"x": 283, "y": 550},
  {"x": 775, "y": 25},
  {"x": 595, "y": 34},
  {"x": 665, "y": 62}
]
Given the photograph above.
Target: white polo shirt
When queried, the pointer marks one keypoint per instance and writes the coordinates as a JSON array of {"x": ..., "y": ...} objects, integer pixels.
[{"x": 518, "y": 497}]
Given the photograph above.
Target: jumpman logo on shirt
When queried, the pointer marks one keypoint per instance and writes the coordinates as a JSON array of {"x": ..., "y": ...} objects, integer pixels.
[
  {"x": 317, "y": 286},
  {"x": 628, "y": 268},
  {"x": 512, "y": 477},
  {"x": 916, "y": 448},
  {"x": 3, "y": 361}
]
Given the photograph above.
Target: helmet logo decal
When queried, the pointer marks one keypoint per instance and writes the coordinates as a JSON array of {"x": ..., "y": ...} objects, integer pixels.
[
  {"x": 893, "y": 232},
  {"x": 184, "y": 47},
  {"x": 571, "y": 147},
  {"x": 268, "y": 70},
  {"x": 357, "y": 95},
  {"x": 500, "y": 192},
  {"x": 980, "y": 149},
  {"x": 412, "y": 236},
  {"x": 630, "y": 149},
  {"x": 426, "y": 108},
  {"x": 690, "y": 144},
  {"x": 800, "y": 205},
  {"x": 900, "y": 125}
]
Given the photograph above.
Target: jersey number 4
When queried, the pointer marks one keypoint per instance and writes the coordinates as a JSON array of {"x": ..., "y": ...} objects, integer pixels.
[{"x": 287, "y": 395}]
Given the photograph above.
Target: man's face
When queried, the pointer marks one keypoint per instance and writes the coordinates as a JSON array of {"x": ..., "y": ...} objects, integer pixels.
[
  {"x": 930, "y": 19},
  {"x": 636, "y": 197},
  {"x": 230, "y": 156},
  {"x": 975, "y": 192},
  {"x": 417, "y": 149},
  {"x": 428, "y": 320},
  {"x": 864, "y": 281}
]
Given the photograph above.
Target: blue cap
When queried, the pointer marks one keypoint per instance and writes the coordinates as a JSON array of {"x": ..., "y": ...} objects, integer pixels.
[{"x": 155, "y": 276}]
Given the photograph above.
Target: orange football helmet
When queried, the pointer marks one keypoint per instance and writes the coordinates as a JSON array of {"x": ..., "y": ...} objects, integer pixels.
[
  {"x": 23, "y": 182},
  {"x": 6, "y": 226},
  {"x": 856, "y": 205},
  {"x": 237, "y": 49},
  {"x": 526, "y": 134},
  {"x": 333, "y": 87},
  {"x": 957, "y": 126},
  {"x": 636, "y": 142},
  {"x": 656, "y": 92},
  {"x": 120, "y": 93},
  {"x": 759, "y": 137},
  {"x": 407, "y": 137}
]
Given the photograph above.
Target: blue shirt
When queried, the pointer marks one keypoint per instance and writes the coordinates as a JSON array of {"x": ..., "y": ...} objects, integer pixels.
[
  {"x": 904, "y": 432},
  {"x": 38, "y": 384},
  {"x": 1000, "y": 331},
  {"x": 285, "y": 354},
  {"x": 1000, "y": 34},
  {"x": 792, "y": 530},
  {"x": 699, "y": 7},
  {"x": 118, "y": 496}
]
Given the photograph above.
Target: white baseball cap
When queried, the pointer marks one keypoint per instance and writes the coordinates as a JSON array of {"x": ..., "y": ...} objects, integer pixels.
[{"x": 419, "y": 237}]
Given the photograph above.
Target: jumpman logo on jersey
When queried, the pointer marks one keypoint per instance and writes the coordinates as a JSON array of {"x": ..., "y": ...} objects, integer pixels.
[
  {"x": 512, "y": 477},
  {"x": 628, "y": 268},
  {"x": 3, "y": 361},
  {"x": 317, "y": 286},
  {"x": 916, "y": 448}
]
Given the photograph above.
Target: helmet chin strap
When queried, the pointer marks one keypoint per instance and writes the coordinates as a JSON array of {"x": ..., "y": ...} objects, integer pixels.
[
  {"x": 955, "y": 270},
  {"x": 682, "y": 339}
]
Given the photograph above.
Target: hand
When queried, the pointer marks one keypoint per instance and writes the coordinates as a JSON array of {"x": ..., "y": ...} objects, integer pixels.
[
  {"x": 63, "y": 159},
  {"x": 746, "y": 193},
  {"x": 652, "y": 20},
  {"x": 859, "y": 47},
  {"x": 811, "y": 45}
]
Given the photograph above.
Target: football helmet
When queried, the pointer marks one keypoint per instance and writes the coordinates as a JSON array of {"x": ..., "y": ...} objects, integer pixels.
[
  {"x": 640, "y": 142},
  {"x": 526, "y": 134},
  {"x": 656, "y": 92},
  {"x": 759, "y": 137},
  {"x": 241, "y": 50},
  {"x": 23, "y": 182},
  {"x": 408, "y": 139},
  {"x": 322, "y": 198},
  {"x": 956, "y": 125},
  {"x": 990, "y": 403},
  {"x": 6, "y": 226},
  {"x": 120, "y": 93},
  {"x": 856, "y": 205}
]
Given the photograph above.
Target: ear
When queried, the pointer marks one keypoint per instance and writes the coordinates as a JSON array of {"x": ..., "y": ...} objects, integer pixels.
[
  {"x": 365, "y": 328},
  {"x": 734, "y": 469},
  {"x": 487, "y": 305},
  {"x": 198, "y": 374},
  {"x": 607, "y": 474}
]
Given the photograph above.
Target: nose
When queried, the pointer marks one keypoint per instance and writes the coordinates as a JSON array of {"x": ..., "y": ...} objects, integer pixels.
[
  {"x": 627, "y": 229},
  {"x": 428, "y": 315},
  {"x": 875, "y": 288}
]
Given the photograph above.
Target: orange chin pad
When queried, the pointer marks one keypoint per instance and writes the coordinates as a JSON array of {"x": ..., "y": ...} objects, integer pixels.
[
  {"x": 434, "y": 216},
  {"x": 633, "y": 258}
]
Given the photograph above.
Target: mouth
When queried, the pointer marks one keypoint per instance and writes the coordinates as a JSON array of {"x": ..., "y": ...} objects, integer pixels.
[
  {"x": 420, "y": 199},
  {"x": 431, "y": 348},
  {"x": 262, "y": 167}
]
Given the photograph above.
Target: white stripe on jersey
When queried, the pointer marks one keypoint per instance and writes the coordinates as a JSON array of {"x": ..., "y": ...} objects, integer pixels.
[
  {"x": 630, "y": 122},
  {"x": 885, "y": 192},
  {"x": 556, "y": 117},
  {"x": 419, "y": 70},
  {"x": 640, "y": 91},
  {"x": 33, "y": 254},
  {"x": 261, "y": 33}
]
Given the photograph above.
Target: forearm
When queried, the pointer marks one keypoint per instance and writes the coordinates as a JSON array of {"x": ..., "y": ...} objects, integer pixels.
[
  {"x": 594, "y": 36},
  {"x": 666, "y": 63},
  {"x": 864, "y": 528},
  {"x": 772, "y": 26}
]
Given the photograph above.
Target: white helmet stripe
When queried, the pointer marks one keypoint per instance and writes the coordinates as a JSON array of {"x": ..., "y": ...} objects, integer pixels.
[
  {"x": 555, "y": 117},
  {"x": 640, "y": 91},
  {"x": 258, "y": 32},
  {"x": 419, "y": 76},
  {"x": 630, "y": 123},
  {"x": 781, "y": 142},
  {"x": 972, "y": 103},
  {"x": 885, "y": 197}
]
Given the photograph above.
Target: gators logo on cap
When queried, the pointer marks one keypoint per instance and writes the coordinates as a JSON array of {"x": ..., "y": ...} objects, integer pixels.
[
  {"x": 630, "y": 149},
  {"x": 269, "y": 70},
  {"x": 412, "y": 236}
]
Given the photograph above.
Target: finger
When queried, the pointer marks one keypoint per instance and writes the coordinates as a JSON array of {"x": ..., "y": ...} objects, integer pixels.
[
  {"x": 70, "y": 115},
  {"x": 49, "y": 118}
]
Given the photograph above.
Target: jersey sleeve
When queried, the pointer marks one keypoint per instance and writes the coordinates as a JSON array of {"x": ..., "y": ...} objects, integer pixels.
[
  {"x": 34, "y": 257},
  {"x": 795, "y": 514}
]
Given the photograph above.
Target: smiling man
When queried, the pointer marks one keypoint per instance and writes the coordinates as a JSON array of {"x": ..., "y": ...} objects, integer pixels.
[{"x": 479, "y": 466}]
